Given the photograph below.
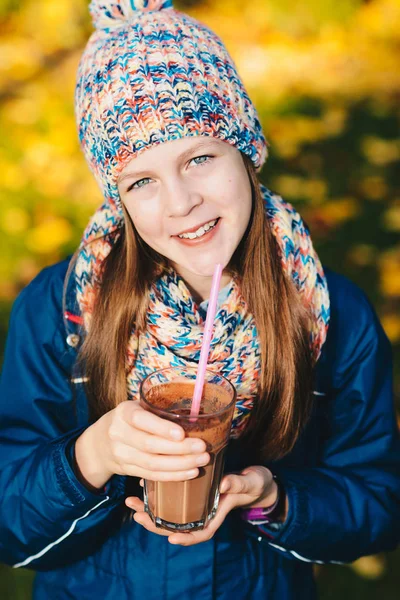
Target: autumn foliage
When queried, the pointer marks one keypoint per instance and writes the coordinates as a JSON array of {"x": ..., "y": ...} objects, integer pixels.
[{"x": 325, "y": 78}]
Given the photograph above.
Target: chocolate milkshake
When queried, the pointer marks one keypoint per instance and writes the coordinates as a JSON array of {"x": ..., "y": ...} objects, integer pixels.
[{"x": 189, "y": 505}]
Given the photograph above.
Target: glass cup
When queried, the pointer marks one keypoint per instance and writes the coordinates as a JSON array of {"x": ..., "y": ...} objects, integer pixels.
[{"x": 189, "y": 505}]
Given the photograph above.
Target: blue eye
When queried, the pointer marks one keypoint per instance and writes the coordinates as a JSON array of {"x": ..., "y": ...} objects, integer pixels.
[
  {"x": 138, "y": 184},
  {"x": 199, "y": 158}
]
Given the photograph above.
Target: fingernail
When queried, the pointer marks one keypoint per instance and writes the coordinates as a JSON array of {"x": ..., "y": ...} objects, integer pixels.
[
  {"x": 172, "y": 541},
  {"x": 202, "y": 460},
  {"x": 176, "y": 434},
  {"x": 225, "y": 487},
  {"x": 198, "y": 447},
  {"x": 192, "y": 473}
]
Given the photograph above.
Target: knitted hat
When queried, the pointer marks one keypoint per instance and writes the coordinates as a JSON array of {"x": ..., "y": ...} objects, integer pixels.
[{"x": 151, "y": 74}]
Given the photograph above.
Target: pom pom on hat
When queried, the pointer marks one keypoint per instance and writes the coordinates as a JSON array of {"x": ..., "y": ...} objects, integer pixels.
[
  {"x": 109, "y": 14},
  {"x": 151, "y": 74}
]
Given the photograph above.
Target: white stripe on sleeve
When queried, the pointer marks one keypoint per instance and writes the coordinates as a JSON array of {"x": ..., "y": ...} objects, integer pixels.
[
  {"x": 308, "y": 560},
  {"x": 60, "y": 539}
]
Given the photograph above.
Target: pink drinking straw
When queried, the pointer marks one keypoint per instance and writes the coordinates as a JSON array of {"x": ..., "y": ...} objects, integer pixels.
[{"x": 205, "y": 348}]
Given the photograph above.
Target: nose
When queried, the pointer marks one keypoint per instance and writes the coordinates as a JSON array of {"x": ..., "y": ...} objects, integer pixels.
[{"x": 180, "y": 198}]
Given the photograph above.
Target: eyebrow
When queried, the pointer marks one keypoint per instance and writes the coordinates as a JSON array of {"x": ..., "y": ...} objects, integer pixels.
[{"x": 181, "y": 157}]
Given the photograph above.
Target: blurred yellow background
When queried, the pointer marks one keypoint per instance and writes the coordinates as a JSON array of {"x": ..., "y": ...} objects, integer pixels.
[{"x": 325, "y": 78}]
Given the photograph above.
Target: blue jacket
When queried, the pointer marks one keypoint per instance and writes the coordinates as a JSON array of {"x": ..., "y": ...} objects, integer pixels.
[{"x": 342, "y": 478}]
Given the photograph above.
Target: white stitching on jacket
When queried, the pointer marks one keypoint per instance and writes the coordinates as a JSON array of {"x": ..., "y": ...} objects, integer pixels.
[
  {"x": 80, "y": 380},
  {"x": 308, "y": 560},
  {"x": 60, "y": 539}
]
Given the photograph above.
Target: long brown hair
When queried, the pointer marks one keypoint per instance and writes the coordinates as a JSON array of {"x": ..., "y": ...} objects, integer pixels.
[{"x": 283, "y": 404}]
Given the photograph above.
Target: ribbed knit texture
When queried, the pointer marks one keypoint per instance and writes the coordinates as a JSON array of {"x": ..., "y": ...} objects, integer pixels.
[
  {"x": 148, "y": 75},
  {"x": 175, "y": 326},
  {"x": 151, "y": 75}
]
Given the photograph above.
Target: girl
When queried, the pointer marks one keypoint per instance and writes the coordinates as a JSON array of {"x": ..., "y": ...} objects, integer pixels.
[{"x": 313, "y": 462}]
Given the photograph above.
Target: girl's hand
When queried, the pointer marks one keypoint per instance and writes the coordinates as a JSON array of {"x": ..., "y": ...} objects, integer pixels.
[
  {"x": 130, "y": 440},
  {"x": 253, "y": 487}
]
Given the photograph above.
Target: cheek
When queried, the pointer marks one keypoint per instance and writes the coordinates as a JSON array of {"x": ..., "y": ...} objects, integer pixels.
[
  {"x": 146, "y": 219},
  {"x": 236, "y": 200}
]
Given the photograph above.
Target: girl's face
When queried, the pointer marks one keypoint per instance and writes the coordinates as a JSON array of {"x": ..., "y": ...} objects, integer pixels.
[{"x": 190, "y": 200}]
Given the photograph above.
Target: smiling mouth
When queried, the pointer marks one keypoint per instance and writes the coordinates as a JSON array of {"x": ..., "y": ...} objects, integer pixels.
[{"x": 200, "y": 231}]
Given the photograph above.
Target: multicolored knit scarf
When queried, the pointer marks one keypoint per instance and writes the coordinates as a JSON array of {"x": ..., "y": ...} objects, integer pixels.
[{"x": 173, "y": 335}]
